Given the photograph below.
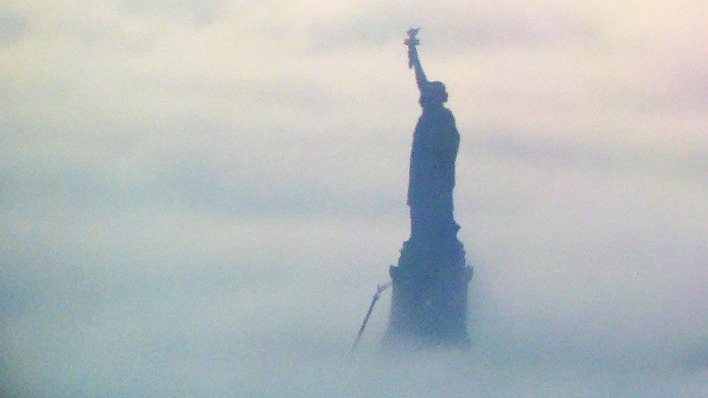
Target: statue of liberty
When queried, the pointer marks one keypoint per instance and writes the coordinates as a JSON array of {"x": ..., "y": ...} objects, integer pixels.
[
  {"x": 429, "y": 303},
  {"x": 432, "y": 165}
]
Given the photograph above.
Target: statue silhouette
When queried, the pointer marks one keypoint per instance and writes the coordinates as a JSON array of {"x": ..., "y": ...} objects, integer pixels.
[
  {"x": 432, "y": 166},
  {"x": 429, "y": 304}
]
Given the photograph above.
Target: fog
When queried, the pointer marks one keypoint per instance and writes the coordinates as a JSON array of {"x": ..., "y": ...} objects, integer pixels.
[{"x": 200, "y": 199}]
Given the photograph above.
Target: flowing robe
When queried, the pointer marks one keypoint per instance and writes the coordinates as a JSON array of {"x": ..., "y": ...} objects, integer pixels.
[{"x": 432, "y": 172}]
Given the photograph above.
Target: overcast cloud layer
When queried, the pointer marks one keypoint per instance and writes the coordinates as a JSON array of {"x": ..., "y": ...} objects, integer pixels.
[{"x": 198, "y": 198}]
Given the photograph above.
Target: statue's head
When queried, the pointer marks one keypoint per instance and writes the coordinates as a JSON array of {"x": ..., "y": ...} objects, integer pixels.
[{"x": 435, "y": 94}]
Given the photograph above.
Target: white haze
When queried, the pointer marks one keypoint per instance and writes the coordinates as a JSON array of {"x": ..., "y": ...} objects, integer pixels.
[{"x": 199, "y": 198}]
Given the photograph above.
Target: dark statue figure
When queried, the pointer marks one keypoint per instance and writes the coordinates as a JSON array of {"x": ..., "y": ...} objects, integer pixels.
[{"x": 429, "y": 305}]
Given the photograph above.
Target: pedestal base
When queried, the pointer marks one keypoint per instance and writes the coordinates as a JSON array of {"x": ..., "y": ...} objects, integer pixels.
[{"x": 429, "y": 305}]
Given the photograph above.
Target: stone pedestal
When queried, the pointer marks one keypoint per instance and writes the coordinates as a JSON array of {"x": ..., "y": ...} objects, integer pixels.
[{"x": 429, "y": 305}]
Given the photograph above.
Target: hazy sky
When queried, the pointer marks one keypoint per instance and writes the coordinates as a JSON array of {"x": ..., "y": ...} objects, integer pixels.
[{"x": 198, "y": 198}]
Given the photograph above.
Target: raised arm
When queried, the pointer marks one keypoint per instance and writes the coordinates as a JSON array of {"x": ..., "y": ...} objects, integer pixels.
[{"x": 414, "y": 61}]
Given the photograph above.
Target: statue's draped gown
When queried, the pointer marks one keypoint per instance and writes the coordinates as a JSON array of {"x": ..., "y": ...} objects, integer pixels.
[{"x": 432, "y": 172}]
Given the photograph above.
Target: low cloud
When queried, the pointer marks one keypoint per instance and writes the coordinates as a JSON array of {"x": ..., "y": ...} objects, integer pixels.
[{"x": 199, "y": 199}]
